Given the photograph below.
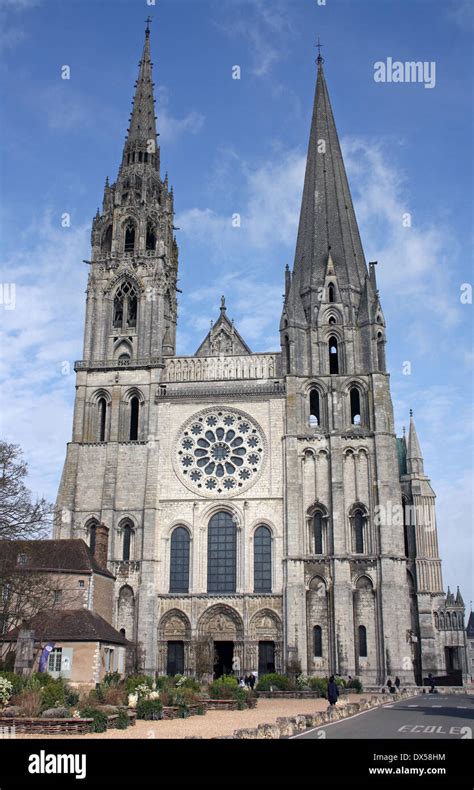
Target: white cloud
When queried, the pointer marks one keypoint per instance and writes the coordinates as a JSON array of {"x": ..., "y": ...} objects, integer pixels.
[{"x": 171, "y": 128}]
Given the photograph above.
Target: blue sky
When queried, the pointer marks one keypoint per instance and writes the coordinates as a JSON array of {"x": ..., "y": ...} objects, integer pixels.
[{"x": 239, "y": 146}]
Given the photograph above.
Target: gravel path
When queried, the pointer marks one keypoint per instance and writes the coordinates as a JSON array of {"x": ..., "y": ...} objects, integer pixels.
[{"x": 215, "y": 723}]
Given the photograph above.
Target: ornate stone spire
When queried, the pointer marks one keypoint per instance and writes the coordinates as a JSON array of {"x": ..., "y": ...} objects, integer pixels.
[
  {"x": 141, "y": 143},
  {"x": 327, "y": 221},
  {"x": 414, "y": 455}
]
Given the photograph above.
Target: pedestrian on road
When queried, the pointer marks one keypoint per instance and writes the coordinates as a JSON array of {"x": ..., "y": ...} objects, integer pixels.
[
  {"x": 397, "y": 682},
  {"x": 333, "y": 691}
]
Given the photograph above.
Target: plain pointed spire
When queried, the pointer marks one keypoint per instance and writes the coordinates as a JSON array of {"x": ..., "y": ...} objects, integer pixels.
[
  {"x": 328, "y": 223},
  {"x": 414, "y": 454},
  {"x": 141, "y": 134}
]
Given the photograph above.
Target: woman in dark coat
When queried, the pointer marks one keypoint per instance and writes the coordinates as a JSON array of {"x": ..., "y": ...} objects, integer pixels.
[{"x": 333, "y": 691}]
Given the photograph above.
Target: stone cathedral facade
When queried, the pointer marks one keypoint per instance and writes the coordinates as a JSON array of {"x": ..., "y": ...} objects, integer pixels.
[{"x": 252, "y": 500}]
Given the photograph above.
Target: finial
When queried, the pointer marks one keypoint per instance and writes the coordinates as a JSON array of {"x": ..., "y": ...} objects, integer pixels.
[
  {"x": 411, "y": 412},
  {"x": 319, "y": 59},
  {"x": 223, "y": 307},
  {"x": 148, "y": 20},
  {"x": 404, "y": 432}
]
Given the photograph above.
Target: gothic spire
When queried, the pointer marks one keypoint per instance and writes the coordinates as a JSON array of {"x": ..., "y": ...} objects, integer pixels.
[
  {"x": 327, "y": 221},
  {"x": 414, "y": 455},
  {"x": 141, "y": 134}
]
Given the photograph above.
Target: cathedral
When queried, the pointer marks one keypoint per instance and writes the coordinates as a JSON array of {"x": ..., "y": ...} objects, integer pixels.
[{"x": 257, "y": 510}]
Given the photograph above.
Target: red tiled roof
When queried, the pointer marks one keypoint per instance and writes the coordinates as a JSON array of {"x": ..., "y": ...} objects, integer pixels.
[{"x": 67, "y": 555}]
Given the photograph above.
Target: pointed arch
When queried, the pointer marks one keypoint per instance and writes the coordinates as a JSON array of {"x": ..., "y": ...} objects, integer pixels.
[
  {"x": 179, "y": 560},
  {"x": 334, "y": 366},
  {"x": 129, "y": 235},
  {"x": 125, "y": 304},
  {"x": 331, "y": 292},
  {"x": 106, "y": 241}
]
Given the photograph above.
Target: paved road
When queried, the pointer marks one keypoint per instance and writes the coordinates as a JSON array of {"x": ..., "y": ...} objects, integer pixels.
[{"x": 423, "y": 716}]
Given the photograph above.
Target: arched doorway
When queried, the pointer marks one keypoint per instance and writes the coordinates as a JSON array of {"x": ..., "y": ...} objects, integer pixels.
[{"x": 223, "y": 627}]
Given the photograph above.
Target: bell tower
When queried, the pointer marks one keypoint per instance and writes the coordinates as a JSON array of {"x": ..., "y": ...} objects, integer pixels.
[{"x": 131, "y": 295}]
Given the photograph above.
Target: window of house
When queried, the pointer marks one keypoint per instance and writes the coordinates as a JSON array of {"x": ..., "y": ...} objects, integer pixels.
[
  {"x": 57, "y": 594},
  {"x": 22, "y": 559},
  {"x": 55, "y": 659},
  {"x": 81, "y": 582}
]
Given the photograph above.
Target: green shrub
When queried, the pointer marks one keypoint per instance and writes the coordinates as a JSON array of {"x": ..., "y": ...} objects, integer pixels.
[
  {"x": 55, "y": 713},
  {"x": 41, "y": 678},
  {"x": 137, "y": 680},
  {"x": 186, "y": 683},
  {"x": 18, "y": 683},
  {"x": 278, "y": 682},
  {"x": 163, "y": 682},
  {"x": 112, "y": 678},
  {"x": 71, "y": 696},
  {"x": 355, "y": 684},
  {"x": 320, "y": 685},
  {"x": 100, "y": 718},
  {"x": 149, "y": 709},
  {"x": 225, "y": 687},
  {"x": 123, "y": 720},
  {"x": 53, "y": 694}
]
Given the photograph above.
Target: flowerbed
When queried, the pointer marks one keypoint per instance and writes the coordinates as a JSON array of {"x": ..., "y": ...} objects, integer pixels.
[{"x": 47, "y": 726}]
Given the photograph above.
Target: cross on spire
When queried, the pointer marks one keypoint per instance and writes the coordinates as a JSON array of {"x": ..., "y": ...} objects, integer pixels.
[
  {"x": 320, "y": 58},
  {"x": 148, "y": 21}
]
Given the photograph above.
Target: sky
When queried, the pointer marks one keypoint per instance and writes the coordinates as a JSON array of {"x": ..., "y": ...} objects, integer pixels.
[{"x": 239, "y": 146}]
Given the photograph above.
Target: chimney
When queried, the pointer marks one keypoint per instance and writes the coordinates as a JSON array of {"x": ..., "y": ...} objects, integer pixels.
[{"x": 101, "y": 545}]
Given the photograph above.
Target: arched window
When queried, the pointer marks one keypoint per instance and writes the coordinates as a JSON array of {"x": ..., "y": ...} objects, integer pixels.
[
  {"x": 441, "y": 621},
  {"x": 221, "y": 554},
  {"x": 92, "y": 532},
  {"x": 134, "y": 418},
  {"x": 355, "y": 406},
  {"x": 126, "y": 541},
  {"x": 318, "y": 532},
  {"x": 318, "y": 641},
  {"x": 359, "y": 521},
  {"x": 287, "y": 354},
  {"x": 332, "y": 320},
  {"x": 331, "y": 292},
  {"x": 106, "y": 243},
  {"x": 150, "y": 237},
  {"x": 102, "y": 407},
  {"x": 380, "y": 352},
  {"x": 179, "y": 561},
  {"x": 362, "y": 641},
  {"x": 436, "y": 620},
  {"x": 129, "y": 243},
  {"x": 262, "y": 560},
  {"x": 333, "y": 356},
  {"x": 314, "y": 412},
  {"x": 448, "y": 620},
  {"x": 125, "y": 307}
]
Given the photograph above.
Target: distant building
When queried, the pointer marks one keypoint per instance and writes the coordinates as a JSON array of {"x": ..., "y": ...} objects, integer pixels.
[{"x": 262, "y": 513}]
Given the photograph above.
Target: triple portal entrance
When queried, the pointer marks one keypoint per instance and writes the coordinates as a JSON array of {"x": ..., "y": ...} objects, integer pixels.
[{"x": 224, "y": 663}]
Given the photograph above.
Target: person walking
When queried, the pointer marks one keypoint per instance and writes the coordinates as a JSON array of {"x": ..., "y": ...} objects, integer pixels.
[
  {"x": 389, "y": 684},
  {"x": 431, "y": 682},
  {"x": 252, "y": 680},
  {"x": 333, "y": 691},
  {"x": 397, "y": 683}
]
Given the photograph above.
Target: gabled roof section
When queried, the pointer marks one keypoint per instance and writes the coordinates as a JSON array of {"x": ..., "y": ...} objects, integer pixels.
[
  {"x": 66, "y": 556},
  {"x": 69, "y": 625},
  {"x": 223, "y": 338},
  {"x": 327, "y": 220}
]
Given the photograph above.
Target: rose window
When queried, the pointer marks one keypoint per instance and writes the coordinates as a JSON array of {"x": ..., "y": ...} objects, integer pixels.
[{"x": 220, "y": 452}]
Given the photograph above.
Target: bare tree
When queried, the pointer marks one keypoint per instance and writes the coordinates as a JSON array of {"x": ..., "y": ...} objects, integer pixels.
[{"x": 20, "y": 517}]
